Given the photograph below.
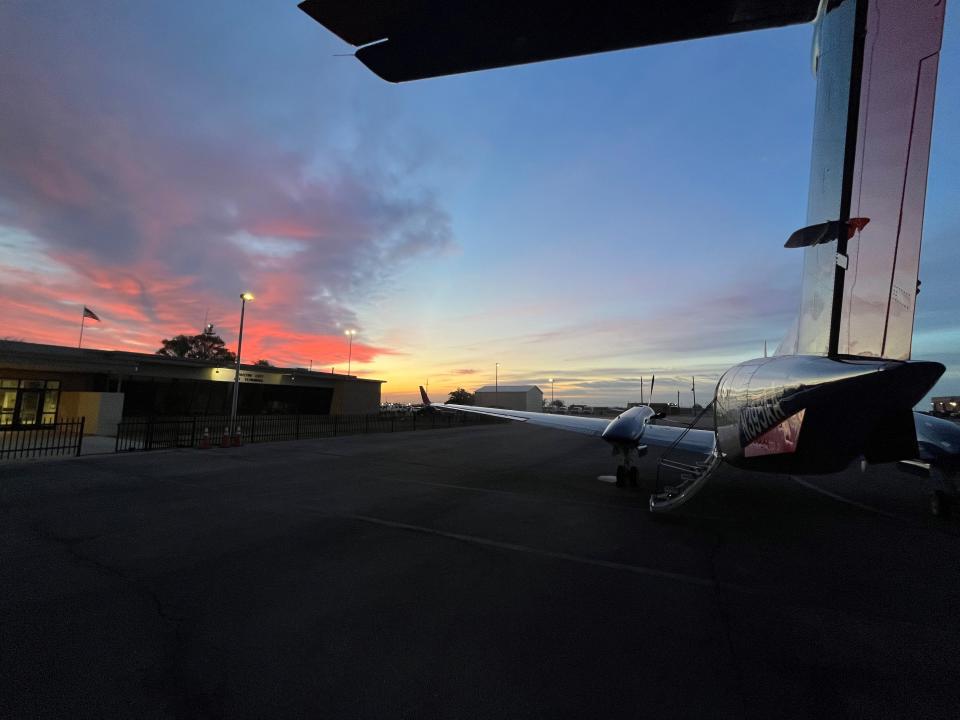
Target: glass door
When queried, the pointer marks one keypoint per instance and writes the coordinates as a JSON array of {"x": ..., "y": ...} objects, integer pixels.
[
  {"x": 51, "y": 400},
  {"x": 29, "y": 411}
]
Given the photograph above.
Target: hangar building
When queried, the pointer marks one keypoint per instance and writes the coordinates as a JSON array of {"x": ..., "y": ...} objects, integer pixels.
[
  {"x": 510, "y": 397},
  {"x": 40, "y": 384}
]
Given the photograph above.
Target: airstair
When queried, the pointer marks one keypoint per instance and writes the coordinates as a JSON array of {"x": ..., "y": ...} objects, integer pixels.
[{"x": 692, "y": 475}]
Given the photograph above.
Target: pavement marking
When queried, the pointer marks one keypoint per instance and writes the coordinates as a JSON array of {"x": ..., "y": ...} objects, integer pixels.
[
  {"x": 609, "y": 564},
  {"x": 848, "y": 501}
]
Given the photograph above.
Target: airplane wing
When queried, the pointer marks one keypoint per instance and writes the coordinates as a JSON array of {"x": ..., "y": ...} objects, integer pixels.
[
  {"x": 571, "y": 423},
  {"x": 413, "y": 39},
  {"x": 629, "y": 431}
]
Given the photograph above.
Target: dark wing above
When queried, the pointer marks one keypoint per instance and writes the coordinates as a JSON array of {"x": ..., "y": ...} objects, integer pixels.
[{"x": 413, "y": 39}]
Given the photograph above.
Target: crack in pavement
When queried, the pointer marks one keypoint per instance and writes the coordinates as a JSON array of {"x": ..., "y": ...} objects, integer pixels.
[{"x": 69, "y": 545}]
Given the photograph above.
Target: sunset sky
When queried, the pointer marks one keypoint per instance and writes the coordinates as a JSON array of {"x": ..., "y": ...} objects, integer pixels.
[{"x": 593, "y": 219}]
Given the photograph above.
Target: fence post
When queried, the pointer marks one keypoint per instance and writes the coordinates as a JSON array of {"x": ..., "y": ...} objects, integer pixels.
[
  {"x": 366, "y": 424},
  {"x": 297, "y": 432},
  {"x": 116, "y": 447},
  {"x": 253, "y": 429},
  {"x": 335, "y": 425},
  {"x": 193, "y": 432},
  {"x": 80, "y": 439},
  {"x": 148, "y": 439},
  {"x": 391, "y": 423}
]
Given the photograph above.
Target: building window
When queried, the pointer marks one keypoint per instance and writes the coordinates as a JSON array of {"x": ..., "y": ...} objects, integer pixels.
[
  {"x": 28, "y": 402},
  {"x": 8, "y": 400}
]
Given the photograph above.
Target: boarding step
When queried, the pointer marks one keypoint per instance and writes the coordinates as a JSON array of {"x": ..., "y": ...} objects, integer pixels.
[
  {"x": 693, "y": 476},
  {"x": 694, "y": 470}
]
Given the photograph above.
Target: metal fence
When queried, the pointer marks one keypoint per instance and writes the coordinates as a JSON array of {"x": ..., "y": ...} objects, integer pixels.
[
  {"x": 64, "y": 437},
  {"x": 160, "y": 433}
]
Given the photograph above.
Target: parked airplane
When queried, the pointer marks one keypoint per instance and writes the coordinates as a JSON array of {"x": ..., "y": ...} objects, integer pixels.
[{"x": 841, "y": 386}]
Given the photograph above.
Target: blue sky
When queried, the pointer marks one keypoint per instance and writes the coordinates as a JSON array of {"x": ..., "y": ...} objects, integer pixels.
[{"x": 593, "y": 219}]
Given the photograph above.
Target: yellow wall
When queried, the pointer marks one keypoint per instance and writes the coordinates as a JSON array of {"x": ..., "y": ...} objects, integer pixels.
[{"x": 102, "y": 410}]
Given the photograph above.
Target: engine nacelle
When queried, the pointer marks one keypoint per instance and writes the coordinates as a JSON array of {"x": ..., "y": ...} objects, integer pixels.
[{"x": 628, "y": 427}]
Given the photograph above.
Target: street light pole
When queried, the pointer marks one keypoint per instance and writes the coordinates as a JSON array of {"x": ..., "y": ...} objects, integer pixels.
[
  {"x": 551, "y": 392},
  {"x": 496, "y": 386},
  {"x": 236, "y": 376},
  {"x": 350, "y": 334}
]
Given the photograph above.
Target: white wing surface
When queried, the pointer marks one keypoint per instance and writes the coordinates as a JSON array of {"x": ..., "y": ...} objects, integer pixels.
[
  {"x": 572, "y": 423},
  {"x": 629, "y": 427}
]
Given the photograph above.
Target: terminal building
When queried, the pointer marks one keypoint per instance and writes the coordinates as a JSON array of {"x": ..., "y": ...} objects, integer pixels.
[
  {"x": 40, "y": 384},
  {"x": 510, "y": 397}
]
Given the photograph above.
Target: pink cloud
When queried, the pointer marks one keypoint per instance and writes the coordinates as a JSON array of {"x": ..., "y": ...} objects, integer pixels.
[{"x": 126, "y": 190}]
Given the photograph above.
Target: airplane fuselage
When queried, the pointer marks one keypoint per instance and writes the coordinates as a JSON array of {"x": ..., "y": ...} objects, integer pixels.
[{"x": 812, "y": 414}]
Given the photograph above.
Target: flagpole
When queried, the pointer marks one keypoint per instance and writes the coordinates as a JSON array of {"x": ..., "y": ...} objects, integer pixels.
[{"x": 83, "y": 319}]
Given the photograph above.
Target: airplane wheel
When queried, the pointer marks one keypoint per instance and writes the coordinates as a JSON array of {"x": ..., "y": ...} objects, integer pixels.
[
  {"x": 939, "y": 504},
  {"x": 621, "y": 476},
  {"x": 634, "y": 477}
]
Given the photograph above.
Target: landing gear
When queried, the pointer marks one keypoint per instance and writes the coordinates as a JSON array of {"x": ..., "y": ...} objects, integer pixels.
[{"x": 628, "y": 473}]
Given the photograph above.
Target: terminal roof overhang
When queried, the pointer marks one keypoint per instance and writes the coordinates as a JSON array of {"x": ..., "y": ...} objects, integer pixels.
[
  {"x": 36, "y": 356},
  {"x": 413, "y": 39}
]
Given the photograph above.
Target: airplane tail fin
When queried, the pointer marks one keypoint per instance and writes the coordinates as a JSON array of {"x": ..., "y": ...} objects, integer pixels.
[
  {"x": 423, "y": 397},
  {"x": 876, "y": 77}
]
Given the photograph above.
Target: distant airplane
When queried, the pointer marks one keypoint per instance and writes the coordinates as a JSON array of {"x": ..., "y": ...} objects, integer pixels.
[{"x": 841, "y": 386}]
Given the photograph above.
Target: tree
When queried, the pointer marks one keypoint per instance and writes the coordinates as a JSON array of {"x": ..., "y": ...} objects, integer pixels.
[
  {"x": 557, "y": 403},
  {"x": 263, "y": 363},
  {"x": 460, "y": 397},
  {"x": 205, "y": 346}
]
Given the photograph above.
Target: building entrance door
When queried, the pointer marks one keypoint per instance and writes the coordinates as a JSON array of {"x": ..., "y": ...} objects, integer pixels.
[{"x": 29, "y": 411}]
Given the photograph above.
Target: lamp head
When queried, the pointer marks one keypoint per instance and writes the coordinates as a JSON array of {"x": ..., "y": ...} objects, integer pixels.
[{"x": 246, "y": 296}]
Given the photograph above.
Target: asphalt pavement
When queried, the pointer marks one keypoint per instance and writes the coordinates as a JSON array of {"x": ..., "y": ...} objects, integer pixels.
[{"x": 481, "y": 572}]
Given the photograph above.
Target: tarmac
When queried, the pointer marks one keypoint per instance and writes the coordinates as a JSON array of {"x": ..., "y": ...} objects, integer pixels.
[{"x": 481, "y": 572}]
